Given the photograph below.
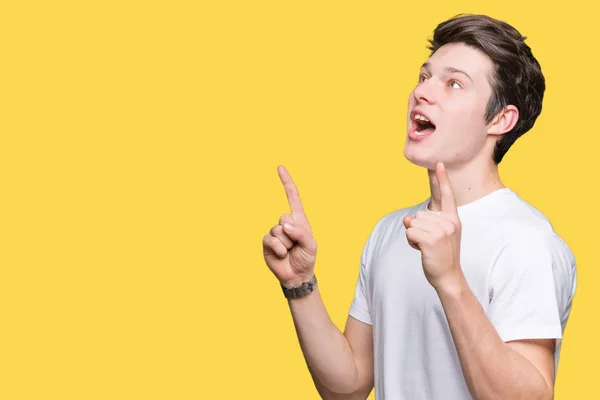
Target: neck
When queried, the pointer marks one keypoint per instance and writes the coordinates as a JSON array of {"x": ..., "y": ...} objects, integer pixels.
[{"x": 470, "y": 181}]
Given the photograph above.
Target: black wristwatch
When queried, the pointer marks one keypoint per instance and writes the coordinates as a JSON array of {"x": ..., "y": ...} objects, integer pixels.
[{"x": 300, "y": 291}]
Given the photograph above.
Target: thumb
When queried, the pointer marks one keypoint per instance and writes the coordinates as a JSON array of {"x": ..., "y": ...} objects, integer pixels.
[
  {"x": 407, "y": 220},
  {"x": 301, "y": 235}
]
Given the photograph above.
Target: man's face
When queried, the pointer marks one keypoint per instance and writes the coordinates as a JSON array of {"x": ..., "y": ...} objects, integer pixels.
[{"x": 446, "y": 110}]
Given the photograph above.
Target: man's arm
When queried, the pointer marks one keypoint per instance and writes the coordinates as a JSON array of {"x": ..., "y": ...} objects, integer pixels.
[
  {"x": 494, "y": 369},
  {"x": 341, "y": 364}
]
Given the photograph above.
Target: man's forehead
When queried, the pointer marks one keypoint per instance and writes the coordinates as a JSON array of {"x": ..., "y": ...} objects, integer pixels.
[{"x": 461, "y": 57}]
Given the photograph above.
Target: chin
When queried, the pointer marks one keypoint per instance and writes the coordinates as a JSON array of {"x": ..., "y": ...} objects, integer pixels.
[{"x": 420, "y": 158}]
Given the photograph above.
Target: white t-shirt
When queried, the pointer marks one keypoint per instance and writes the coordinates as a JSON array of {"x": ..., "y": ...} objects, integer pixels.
[{"x": 520, "y": 270}]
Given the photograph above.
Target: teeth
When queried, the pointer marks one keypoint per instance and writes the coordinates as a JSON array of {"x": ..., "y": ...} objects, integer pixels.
[
  {"x": 421, "y": 118},
  {"x": 417, "y": 133}
]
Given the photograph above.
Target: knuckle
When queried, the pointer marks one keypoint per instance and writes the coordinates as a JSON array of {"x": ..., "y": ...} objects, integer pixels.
[
  {"x": 285, "y": 218},
  {"x": 292, "y": 190},
  {"x": 268, "y": 242},
  {"x": 279, "y": 247},
  {"x": 274, "y": 242},
  {"x": 292, "y": 193}
]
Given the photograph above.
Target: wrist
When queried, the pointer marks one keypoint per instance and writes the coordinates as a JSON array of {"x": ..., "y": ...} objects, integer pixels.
[
  {"x": 453, "y": 285},
  {"x": 297, "y": 281},
  {"x": 302, "y": 290}
]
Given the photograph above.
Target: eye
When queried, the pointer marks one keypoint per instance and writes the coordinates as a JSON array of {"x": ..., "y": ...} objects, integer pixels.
[
  {"x": 422, "y": 78},
  {"x": 455, "y": 84}
]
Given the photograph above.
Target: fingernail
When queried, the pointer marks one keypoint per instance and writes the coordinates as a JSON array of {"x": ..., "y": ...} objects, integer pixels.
[{"x": 288, "y": 227}]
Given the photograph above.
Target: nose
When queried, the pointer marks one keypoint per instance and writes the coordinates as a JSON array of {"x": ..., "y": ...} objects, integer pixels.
[{"x": 423, "y": 93}]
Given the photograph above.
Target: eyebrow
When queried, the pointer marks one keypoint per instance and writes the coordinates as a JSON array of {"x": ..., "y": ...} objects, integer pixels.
[{"x": 449, "y": 69}]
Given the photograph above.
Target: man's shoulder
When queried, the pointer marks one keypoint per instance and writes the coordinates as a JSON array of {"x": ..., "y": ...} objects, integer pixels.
[
  {"x": 513, "y": 214},
  {"x": 525, "y": 226}
]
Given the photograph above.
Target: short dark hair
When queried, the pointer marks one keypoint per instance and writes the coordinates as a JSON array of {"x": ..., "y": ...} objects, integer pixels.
[{"x": 517, "y": 78}]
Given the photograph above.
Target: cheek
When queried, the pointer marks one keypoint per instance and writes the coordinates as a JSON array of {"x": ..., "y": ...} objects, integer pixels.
[
  {"x": 465, "y": 132},
  {"x": 467, "y": 121},
  {"x": 460, "y": 123}
]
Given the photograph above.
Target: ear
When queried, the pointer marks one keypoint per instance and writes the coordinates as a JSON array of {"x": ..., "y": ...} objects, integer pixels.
[{"x": 504, "y": 121}]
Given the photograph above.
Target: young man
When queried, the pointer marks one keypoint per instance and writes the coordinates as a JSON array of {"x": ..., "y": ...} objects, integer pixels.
[{"x": 468, "y": 293}]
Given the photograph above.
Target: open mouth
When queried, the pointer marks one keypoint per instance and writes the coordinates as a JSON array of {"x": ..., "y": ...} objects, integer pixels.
[{"x": 422, "y": 126}]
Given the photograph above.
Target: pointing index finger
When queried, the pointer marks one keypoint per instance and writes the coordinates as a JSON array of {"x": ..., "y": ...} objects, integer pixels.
[
  {"x": 291, "y": 191},
  {"x": 447, "y": 195}
]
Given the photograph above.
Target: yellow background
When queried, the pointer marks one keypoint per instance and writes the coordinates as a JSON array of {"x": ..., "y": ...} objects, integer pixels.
[{"x": 139, "y": 142}]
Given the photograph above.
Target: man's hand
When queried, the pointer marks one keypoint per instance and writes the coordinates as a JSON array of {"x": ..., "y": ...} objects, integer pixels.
[
  {"x": 289, "y": 248},
  {"x": 437, "y": 237}
]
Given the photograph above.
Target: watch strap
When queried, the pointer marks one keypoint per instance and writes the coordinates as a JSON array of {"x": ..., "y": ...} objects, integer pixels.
[{"x": 298, "y": 292}]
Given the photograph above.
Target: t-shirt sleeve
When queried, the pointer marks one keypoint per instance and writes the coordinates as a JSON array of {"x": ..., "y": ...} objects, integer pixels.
[
  {"x": 531, "y": 287},
  {"x": 360, "y": 307}
]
